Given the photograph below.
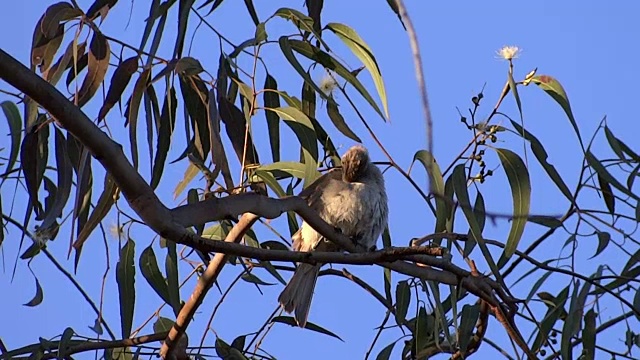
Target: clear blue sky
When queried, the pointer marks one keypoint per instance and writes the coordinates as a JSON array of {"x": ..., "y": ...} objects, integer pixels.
[{"x": 590, "y": 47}]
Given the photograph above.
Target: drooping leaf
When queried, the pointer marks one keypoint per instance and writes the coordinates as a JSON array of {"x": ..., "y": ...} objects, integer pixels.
[
  {"x": 34, "y": 153},
  {"x": 151, "y": 272},
  {"x": 252, "y": 11},
  {"x": 251, "y": 278},
  {"x": 360, "y": 49},
  {"x": 73, "y": 51},
  {"x": 272, "y": 100},
  {"x": 105, "y": 202},
  {"x": 459, "y": 182},
  {"x": 162, "y": 325},
  {"x": 150, "y": 21},
  {"x": 64, "y": 343},
  {"x": 589, "y": 335},
  {"x": 226, "y": 352},
  {"x": 556, "y": 308},
  {"x": 165, "y": 130},
  {"x": 188, "y": 66},
  {"x": 48, "y": 34},
  {"x": 541, "y": 155},
  {"x": 38, "y": 297},
  {"x": 436, "y": 182},
  {"x": 520, "y": 184},
  {"x": 171, "y": 268},
  {"x": 311, "y": 326},
  {"x": 619, "y": 147},
  {"x": 313, "y": 53},
  {"x": 339, "y": 122},
  {"x": 195, "y": 94},
  {"x": 300, "y": 20},
  {"x": 65, "y": 174},
  {"x": 14, "y": 121},
  {"x": 218, "y": 154},
  {"x": 403, "y": 298},
  {"x": 302, "y": 127},
  {"x": 553, "y": 87},
  {"x": 385, "y": 353},
  {"x": 184, "y": 9},
  {"x": 469, "y": 317},
  {"x": 125, "y": 276},
  {"x": 131, "y": 112},
  {"x": 394, "y": 7},
  {"x": 314, "y": 8},
  {"x": 100, "y": 8},
  {"x": 98, "y": 63},
  {"x": 235, "y": 126},
  {"x": 606, "y": 175},
  {"x": 261, "y": 33},
  {"x": 119, "y": 81}
]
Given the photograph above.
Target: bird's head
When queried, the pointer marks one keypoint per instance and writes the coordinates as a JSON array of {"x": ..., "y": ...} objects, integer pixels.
[{"x": 355, "y": 163}]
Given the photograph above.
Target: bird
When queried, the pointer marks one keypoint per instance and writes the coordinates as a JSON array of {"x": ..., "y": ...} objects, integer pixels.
[{"x": 353, "y": 200}]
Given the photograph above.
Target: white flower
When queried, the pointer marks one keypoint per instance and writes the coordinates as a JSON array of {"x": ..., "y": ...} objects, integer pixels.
[
  {"x": 328, "y": 83},
  {"x": 116, "y": 231},
  {"x": 509, "y": 52}
]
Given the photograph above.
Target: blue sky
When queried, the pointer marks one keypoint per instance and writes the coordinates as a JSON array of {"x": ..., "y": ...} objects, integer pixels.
[{"x": 590, "y": 47}]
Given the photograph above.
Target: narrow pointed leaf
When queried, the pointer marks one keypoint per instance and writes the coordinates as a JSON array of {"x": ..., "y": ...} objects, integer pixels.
[
  {"x": 38, "y": 297},
  {"x": 14, "y": 121},
  {"x": 151, "y": 272},
  {"x": 105, "y": 202},
  {"x": 119, "y": 81},
  {"x": 310, "y": 326},
  {"x": 272, "y": 100},
  {"x": 339, "y": 122},
  {"x": 165, "y": 130},
  {"x": 98, "y": 63},
  {"x": 360, "y": 49},
  {"x": 125, "y": 276},
  {"x": 65, "y": 174},
  {"x": 520, "y": 184}
]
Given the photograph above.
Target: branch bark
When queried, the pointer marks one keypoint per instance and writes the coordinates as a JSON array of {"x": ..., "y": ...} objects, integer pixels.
[{"x": 171, "y": 224}]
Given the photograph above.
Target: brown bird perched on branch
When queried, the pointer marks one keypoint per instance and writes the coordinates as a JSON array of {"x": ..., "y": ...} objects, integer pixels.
[{"x": 353, "y": 200}]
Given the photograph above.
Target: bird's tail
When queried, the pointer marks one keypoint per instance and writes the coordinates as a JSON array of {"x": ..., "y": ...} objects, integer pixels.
[{"x": 297, "y": 295}]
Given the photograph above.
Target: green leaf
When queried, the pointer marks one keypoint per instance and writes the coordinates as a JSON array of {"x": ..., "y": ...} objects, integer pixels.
[
  {"x": 364, "y": 53},
  {"x": 98, "y": 63},
  {"x": 339, "y": 122},
  {"x": 15, "y": 126},
  {"x": 226, "y": 352},
  {"x": 252, "y": 11},
  {"x": 385, "y": 353},
  {"x": 326, "y": 60},
  {"x": 550, "y": 318},
  {"x": 554, "y": 89},
  {"x": 151, "y": 272},
  {"x": 105, "y": 202},
  {"x": 119, "y": 81},
  {"x": 470, "y": 314},
  {"x": 64, "y": 343},
  {"x": 261, "y": 33},
  {"x": 589, "y": 335},
  {"x": 285, "y": 169},
  {"x": 602, "y": 171},
  {"x": 162, "y": 325},
  {"x": 65, "y": 175},
  {"x": 250, "y": 278},
  {"x": 436, "y": 182},
  {"x": 541, "y": 155},
  {"x": 38, "y": 297},
  {"x": 573, "y": 321},
  {"x": 131, "y": 112},
  {"x": 302, "y": 127},
  {"x": 125, "y": 276},
  {"x": 300, "y": 20},
  {"x": 171, "y": 268},
  {"x": 424, "y": 329},
  {"x": 286, "y": 47},
  {"x": 165, "y": 130},
  {"x": 311, "y": 326},
  {"x": 459, "y": 181},
  {"x": 188, "y": 66},
  {"x": 548, "y": 221},
  {"x": 272, "y": 100},
  {"x": 603, "y": 241},
  {"x": 607, "y": 194},
  {"x": 514, "y": 90},
  {"x": 520, "y": 184},
  {"x": 403, "y": 298}
]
